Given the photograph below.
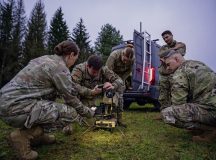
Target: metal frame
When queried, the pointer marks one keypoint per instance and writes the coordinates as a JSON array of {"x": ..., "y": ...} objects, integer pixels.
[{"x": 146, "y": 64}]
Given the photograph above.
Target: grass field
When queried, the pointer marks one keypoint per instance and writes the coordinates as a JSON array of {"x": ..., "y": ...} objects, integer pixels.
[{"x": 144, "y": 139}]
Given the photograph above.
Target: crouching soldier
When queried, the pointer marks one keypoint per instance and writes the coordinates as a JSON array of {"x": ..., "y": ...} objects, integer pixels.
[
  {"x": 121, "y": 62},
  {"x": 91, "y": 73},
  {"x": 27, "y": 101},
  {"x": 193, "y": 102}
]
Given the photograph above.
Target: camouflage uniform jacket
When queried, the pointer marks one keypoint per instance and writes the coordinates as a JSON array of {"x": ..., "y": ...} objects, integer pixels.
[
  {"x": 86, "y": 83},
  {"x": 115, "y": 64},
  {"x": 39, "y": 80},
  {"x": 182, "y": 50},
  {"x": 194, "y": 82}
]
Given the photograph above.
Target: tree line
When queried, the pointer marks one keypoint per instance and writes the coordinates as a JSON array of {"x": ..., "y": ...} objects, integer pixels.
[{"x": 23, "y": 39}]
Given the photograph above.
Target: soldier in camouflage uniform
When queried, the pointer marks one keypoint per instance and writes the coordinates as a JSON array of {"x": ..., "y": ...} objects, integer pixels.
[
  {"x": 89, "y": 75},
  {"x": 193, "y": 96},
  {"x": 164, "y": 84},
  {"x": 27, "y": 101},
  {"x": 121, "y": 62}
]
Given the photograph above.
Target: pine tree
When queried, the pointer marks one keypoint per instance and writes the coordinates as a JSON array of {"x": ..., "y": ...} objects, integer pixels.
[
  {"x": 6, "y": 28},
  {"x": 108, "y": 37},
  {"x": 18, "y": 33},
  {"x": 58, "y": 30},
  {"x": 36, "y": 34},
  {"x": 81, "y": 37}
]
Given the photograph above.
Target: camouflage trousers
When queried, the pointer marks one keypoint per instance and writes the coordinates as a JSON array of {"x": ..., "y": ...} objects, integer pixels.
[
  {"x": 47, "y": 113},
  {"x": 164, "y": 86},
  {"x": 128, "y": 82},
  {"x": 188, "y": 116},
  {"x": 164, "y": 89},
  {"x": 120, "y": 103}
]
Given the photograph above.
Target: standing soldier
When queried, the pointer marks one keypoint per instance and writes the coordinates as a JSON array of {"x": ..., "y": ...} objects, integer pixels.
[
  {"x": 165, "y": 75},
  {"x": 193, "y": 102},
  {"x": 27, "y": 101},
  {"x": 89, "y": 75}
]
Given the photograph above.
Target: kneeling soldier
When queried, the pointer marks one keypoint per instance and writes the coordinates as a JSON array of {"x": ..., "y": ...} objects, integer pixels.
[
  {"x": 27, "y": 101},
  {"x": 91, "y": 73}
]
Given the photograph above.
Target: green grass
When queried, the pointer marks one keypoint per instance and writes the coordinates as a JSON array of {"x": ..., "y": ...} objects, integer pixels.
[{"x": 144, "y": 139}]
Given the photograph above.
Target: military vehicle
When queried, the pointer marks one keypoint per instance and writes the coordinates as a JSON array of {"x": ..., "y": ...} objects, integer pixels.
[{"x": 145, "y": 75}]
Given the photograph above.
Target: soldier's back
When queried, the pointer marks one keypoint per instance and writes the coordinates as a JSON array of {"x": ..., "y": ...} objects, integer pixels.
[{"x": 201, "y": 82}]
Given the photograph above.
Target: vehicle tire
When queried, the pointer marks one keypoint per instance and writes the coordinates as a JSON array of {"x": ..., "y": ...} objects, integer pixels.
[
  {"x": 156, "y": 106},
  {"x": 141, "y": 102},
  {"x": 127, "y": 105}
]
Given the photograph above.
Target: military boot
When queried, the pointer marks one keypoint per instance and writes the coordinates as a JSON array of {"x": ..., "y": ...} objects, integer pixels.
[
  {"x": 44, "y": 139},
  {"x": 207, "y": 136},
  {"x": 39, "y": 137},
  {"x": 119, "y": 120},
  {"x": 20, "y": 141}
]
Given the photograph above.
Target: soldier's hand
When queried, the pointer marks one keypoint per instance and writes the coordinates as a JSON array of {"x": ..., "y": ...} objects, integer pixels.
[
  {"x": 93, "y": 108},
  {"x": 92, "y": 112},
  {"x": 108, "y": 86},
  {"x": 96, "y": 90}
]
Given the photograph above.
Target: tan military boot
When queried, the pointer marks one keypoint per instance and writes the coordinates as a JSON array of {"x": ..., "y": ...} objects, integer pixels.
[
  {"x": 20, "y": 141},
  {"x": 44, "y": 139},
  {"x": 39, "y": 137},
  {"x": 119, "y": 120}
]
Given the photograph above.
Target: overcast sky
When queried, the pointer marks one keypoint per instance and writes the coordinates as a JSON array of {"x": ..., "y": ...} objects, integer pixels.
[{"x": 191, "y": 21}]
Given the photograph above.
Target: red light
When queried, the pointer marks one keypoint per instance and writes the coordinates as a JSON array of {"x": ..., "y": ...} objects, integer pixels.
[
  {"x": 149, "y": 75},
  {"x": 152, "y": 76}
]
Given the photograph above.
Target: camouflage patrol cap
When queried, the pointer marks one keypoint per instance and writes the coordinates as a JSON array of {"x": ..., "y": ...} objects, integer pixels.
[{"x": 167, "y": 53}]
